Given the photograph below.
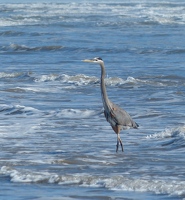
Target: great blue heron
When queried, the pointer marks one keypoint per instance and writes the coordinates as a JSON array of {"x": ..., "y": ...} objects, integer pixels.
[{"x": 117, "y": 117}]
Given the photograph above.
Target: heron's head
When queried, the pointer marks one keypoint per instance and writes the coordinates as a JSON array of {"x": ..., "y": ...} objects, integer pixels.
[{"x": 94, "y": 60}]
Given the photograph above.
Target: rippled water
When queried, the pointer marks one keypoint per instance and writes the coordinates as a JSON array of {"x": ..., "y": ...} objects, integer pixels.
[{"x": 55, "y": 141}]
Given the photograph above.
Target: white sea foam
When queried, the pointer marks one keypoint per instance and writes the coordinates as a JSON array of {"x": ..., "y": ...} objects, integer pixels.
[
  {"x": 79, "y": 79},
  {"x": 45, "y": 78},
  {"x": 76, "y": 113},
  {"x": 171, "y": 187},
  {"x": 169, "y": 132},
  {"x": 17, "y": 109},
  {"x": 142, "y": 13},
  {"x": 9, "y": 75},
  {"x": 82, "y": 79}
]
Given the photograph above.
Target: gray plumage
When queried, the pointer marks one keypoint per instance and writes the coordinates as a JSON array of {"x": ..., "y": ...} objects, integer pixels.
[{"x": 117, "y": 117}]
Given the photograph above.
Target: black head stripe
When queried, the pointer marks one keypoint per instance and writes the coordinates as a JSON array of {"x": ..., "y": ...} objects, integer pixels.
[{"x": 98, "y": 58}]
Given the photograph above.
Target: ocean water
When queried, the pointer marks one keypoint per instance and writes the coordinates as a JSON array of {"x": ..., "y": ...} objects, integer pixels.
[{"x": 55, "y": 141}]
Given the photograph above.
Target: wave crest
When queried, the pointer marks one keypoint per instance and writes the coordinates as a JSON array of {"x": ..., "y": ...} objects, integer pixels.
[
  {"x": 16, "y": 109},
  {"x": 157, "y": 186},
  {"x": 79, "y": 79},
  {"x": 170, "y": 133},
  {"x": 173, "y": 138},
  {"x": 76, "y": 113}
]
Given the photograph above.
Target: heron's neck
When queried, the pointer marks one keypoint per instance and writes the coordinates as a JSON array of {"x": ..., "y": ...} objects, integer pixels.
[{"x": 105, "y": 99}]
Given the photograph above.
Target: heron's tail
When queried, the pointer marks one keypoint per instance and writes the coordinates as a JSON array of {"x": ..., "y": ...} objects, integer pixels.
[{"x": 135, "y": 125}]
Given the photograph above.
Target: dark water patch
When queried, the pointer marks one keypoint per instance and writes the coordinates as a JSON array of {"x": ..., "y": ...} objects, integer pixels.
[
  {"x": 175, "y": 51},
  {"x": 11, "y": 33}
]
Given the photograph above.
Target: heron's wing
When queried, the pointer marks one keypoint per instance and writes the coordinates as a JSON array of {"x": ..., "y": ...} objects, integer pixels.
[{"x": 121, "y": 117}]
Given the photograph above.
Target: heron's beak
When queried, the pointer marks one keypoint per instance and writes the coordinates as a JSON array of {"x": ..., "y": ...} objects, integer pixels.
[{"x": 87, "y": 60}]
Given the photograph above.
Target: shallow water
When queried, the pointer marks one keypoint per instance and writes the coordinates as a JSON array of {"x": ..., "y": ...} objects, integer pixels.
[{"x": 55, "y": 141}]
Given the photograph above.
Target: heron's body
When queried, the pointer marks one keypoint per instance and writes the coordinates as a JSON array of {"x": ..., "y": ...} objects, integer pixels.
[{"x": 117, "y": 117}]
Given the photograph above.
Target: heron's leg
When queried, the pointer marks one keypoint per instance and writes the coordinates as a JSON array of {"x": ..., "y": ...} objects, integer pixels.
[
  {"x": 117, "y": 146},
  {"x": 120, "y": 141},
  {"x": 117, "y": 131}
]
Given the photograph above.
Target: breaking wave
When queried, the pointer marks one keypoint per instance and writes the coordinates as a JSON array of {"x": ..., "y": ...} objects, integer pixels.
[
  {"x": 170, "y": 133},
  {"x": 173, "y": 138},
  {"x": 76, "y": 113},
  {"x": 119, "y": 182},
  {"x": 82, "y": 79},
  {"x": 16, "y": 109}
]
